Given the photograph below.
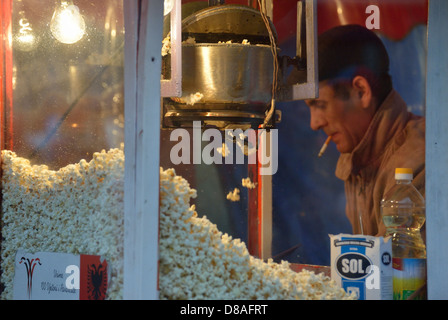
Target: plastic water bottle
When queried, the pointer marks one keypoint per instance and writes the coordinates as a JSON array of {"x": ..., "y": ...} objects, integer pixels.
[{"x": 403, "y": 213}]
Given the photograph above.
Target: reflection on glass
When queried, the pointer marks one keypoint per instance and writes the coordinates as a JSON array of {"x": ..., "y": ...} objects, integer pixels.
[
  {"x": 25, "y": 39},
  {"x": 68, "y": 99}
]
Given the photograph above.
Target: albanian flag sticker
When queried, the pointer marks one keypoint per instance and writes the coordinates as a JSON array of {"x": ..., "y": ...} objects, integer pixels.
[{"x": 59, "y": 276}]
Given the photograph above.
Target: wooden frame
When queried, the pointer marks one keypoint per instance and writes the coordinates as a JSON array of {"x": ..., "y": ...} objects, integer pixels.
[{"x": 143, "y": 37}]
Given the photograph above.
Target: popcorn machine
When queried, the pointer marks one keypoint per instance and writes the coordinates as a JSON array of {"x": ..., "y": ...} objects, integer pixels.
[{"x": 78, "y": 93}]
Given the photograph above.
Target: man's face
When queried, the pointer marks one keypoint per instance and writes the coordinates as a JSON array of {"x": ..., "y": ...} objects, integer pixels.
[{"x": 341, "y": 117}]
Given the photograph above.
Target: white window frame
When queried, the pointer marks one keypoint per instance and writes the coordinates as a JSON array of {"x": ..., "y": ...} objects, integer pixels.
[
  {"x": 143, "y": 42},
  {"x": 437, "y": 151}
]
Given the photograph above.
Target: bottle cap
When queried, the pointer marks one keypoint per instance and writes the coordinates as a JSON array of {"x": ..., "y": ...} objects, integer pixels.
[{"x": 404, "y": 174}]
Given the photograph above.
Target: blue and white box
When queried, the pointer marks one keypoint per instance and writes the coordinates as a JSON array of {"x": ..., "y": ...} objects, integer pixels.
[{"x": 362, "y": 265}]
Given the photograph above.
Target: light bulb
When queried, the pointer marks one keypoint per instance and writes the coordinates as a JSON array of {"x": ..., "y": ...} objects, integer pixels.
[{"x": 67, "y": 24}]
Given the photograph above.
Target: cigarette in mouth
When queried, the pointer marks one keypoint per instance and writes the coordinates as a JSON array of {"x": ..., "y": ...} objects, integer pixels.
[{"x": 324, "y": 147}]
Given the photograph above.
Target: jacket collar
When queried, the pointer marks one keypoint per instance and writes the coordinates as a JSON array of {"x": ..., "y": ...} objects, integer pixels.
[{"x": 390, "y": 118}]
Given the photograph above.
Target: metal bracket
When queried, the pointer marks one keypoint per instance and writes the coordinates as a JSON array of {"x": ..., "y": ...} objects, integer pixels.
[
  {"x": 310, "y": 88},
  {"x": 173, "y": 86}
]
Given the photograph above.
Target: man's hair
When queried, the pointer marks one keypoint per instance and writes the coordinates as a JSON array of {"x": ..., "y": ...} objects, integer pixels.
[{"x": 351, "y": 50}]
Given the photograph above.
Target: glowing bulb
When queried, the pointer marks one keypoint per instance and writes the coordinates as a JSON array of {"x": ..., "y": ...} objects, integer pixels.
[{"x": 67, "y": 24}]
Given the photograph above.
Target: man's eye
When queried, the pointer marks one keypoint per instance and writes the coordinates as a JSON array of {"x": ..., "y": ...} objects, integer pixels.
[
  {"x": 317, "y": 104},
  {"x": 320, "y": 104}
]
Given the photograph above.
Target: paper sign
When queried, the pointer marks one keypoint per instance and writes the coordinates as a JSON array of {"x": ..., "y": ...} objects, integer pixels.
[{"x": 59, "y": 276}]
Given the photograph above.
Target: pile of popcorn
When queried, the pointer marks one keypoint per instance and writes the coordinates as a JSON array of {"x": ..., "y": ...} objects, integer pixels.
[{"x": 79, "y": 209}]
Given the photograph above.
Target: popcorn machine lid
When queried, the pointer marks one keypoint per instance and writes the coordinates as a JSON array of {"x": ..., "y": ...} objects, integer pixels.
[{"x": 228, "y": 22}]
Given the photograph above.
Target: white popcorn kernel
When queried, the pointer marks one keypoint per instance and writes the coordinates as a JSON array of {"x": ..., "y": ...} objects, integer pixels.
[
  {"x": 246, "y": 182},
  {"x": 234, "y": 195},
  {"x": 190, "y": 40},
  {"x": 166, "y": 45},
  {"x": 224, "y": 150},
  {"x": 193, "y": 98}
]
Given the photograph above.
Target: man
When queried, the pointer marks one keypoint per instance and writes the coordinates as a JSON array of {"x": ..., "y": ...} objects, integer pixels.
[{"x": 367, "y": 120}]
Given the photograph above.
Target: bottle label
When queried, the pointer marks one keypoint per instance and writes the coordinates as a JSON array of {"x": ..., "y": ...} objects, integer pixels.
[{"x": 409, "y": 279}]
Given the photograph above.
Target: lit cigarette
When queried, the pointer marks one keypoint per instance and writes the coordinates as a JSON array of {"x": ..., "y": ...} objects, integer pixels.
[{"x": 324, "y": 147}]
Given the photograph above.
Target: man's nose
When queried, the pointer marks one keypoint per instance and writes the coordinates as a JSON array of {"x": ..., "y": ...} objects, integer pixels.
[{"x": 317, "y": 121}]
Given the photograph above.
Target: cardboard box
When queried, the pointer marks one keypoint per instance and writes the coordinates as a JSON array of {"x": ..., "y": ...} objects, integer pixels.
[{"x": 362, "y": 265}]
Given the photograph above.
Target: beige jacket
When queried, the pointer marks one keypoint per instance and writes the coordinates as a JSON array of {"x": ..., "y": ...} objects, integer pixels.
[{"x": 394, "y": 139}]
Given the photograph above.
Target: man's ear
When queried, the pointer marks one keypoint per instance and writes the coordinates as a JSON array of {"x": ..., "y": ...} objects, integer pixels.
[{"x": 362, "y": 90}]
